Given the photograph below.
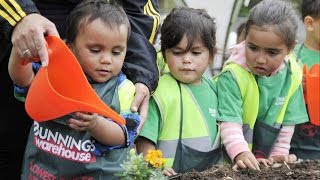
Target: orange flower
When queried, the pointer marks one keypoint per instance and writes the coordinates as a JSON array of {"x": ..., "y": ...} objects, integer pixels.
[{"x": 154, "y": 157}]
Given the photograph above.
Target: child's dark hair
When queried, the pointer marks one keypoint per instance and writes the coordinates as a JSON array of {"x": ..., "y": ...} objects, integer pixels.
[
  {"x": 194, "y": 23},
  {"x": 278, "y": 14},
  {"x": 241, "y": 28},
  {"x": 241, "y": 32},
  {"x": 109, "y": 12},
  {"x": 310, "y": 8}
]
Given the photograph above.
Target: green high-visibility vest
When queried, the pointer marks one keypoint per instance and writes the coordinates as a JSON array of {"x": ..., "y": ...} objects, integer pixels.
[
  {"x": 192, "y": 134},
  {"x": 126, "y": 93},
  {"x": 250, "y": 93}
]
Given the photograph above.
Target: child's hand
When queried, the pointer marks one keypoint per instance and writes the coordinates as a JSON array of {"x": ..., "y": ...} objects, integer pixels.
[
  {"x": 169, "y": 172},
  {"x": 291, "y": 158},
  {"x": 265, "y": 162},
  {"x": 84, "y": 121},
  {"x": 246, "y": 160}
]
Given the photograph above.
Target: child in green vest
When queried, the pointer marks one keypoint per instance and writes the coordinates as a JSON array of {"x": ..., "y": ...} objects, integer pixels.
[
  {"x": 305, "y": 142},
  {"x": 259, "y": 89},
  {"x": 84, "y": 145},
  {"x": 182, "y": 116}
]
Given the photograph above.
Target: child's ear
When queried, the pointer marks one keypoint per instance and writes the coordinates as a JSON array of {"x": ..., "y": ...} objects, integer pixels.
[{"x": 308, "y": 23}]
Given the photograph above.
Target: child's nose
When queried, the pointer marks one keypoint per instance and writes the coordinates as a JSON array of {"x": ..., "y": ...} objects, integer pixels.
[
  {"x": 186, "y": 58},
  {"x": 261, "y": 59},
  {"x": 105, "y": 59}
]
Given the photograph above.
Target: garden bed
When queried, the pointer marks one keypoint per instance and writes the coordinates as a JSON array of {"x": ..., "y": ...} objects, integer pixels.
[{"x": 308, "y": 169}]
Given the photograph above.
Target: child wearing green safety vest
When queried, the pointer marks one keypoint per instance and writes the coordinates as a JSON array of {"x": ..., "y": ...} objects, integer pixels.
[
  {"x": 84, "y": 145},
  {"x": 182, "y": 116},
  {"x": 259, "y": 89},
  {"x": 305, "y": 142}
]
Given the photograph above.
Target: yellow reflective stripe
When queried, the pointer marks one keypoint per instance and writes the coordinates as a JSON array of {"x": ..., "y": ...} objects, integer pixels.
[
  {"x": 154, "y": 12},
  {"x": 10, "y": 10},
  {"x": 156, "y": 22},
  {"x": 144, "y": 9},
  {"x": 149, "y": 10},
  {"x": 8, "y": 18},
  {"x": 154, "y": 28},
  {"x": 296, "y": 79},
  {"x": 126, "y": 95},
  {"x": 18, "y": 8}
]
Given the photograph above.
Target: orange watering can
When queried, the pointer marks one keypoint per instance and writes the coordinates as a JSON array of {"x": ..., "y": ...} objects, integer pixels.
[
  {"x": 312, "y": 93},
  {"x": 61, "y": 88}
]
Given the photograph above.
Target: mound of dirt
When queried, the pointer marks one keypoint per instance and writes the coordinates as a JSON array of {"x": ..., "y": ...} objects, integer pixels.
[{"x": 308, "y": 169}]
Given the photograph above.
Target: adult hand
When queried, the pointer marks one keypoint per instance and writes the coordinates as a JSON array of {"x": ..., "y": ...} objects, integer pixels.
[
  {"x": 246, "y": 160},
  {"x": 28, "y": 37},
  {"x": 141, "y": 102}
]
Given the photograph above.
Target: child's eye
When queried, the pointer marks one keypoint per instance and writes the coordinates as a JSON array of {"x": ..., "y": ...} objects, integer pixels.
[
  {"x": 272, "y": 53},
  {"x": 196, "y": 52},
  {"x": 177, "y": 52},
  {"x": 95, "y": 50},
  {"x": 253, "y": 48},
  {"x": 116, "y": 53}
]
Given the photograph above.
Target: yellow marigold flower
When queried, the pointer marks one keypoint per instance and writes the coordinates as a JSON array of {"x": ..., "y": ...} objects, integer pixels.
[{"x": 154, "y": 157}]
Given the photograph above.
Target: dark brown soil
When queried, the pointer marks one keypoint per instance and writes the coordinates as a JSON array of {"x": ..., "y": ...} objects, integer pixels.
[{"x": 309, "y": 170}]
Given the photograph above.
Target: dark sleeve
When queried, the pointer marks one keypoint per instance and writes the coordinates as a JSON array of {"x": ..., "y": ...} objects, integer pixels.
[
  {"x": 11, "y": 13},
  {"x": 140, "y": 63}
]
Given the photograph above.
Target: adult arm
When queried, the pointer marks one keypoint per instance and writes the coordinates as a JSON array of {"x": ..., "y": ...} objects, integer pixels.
[
  {"x": 21, "y": 73},
  {"x": 140, "y": 63},
  {"x": 25, "y": 28},
  {"x": 9, "y": 16},
  {"x": 12, "y": 12}
]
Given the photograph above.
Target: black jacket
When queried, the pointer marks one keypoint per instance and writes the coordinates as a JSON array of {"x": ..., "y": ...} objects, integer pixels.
[{"x": 140, "y": 63}]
